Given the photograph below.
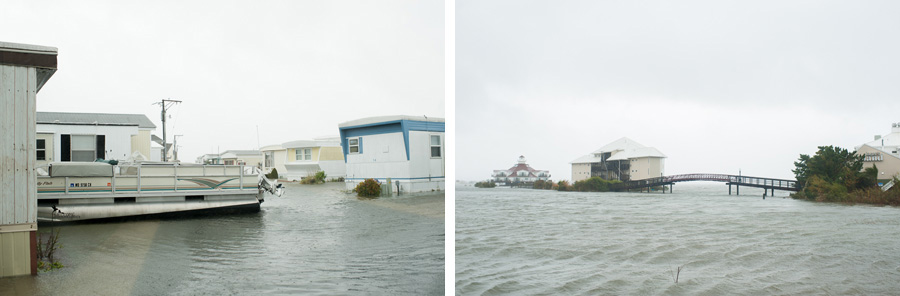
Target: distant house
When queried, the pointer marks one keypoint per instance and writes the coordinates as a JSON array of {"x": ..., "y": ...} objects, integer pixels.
[
  {"x": 210, "y": 158},
  {"x": 274, "y": 157},
  {"x": 883, "y": 153},
  {"x": 520, "y": 173},
  {"x": 65, "y": 137},
  {"x": 407, "y": 149},
  {"x": 622, "y": 160},
  {"x": 242, "y": 157},
  {"x": 307, "y": 157}
]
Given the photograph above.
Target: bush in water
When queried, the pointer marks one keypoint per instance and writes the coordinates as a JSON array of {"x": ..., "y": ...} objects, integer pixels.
[{"x": 368, "y": 188}]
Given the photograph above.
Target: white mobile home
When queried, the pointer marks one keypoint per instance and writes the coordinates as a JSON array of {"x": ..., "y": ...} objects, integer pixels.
[
  {"x": 406, "y": 149},
  {"x": 63, "y": 137}
]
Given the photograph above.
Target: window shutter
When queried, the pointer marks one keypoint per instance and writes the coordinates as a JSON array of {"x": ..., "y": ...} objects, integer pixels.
[
  {"x": 65, "y": 149},
  {"x": 101, "y": 146},
  {"x": 360, "y": 146}
]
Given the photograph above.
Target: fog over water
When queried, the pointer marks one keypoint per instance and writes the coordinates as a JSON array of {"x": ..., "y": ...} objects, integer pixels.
[
  {"x": 536, "y": 242},
  {"x": 314, "y": 240}
]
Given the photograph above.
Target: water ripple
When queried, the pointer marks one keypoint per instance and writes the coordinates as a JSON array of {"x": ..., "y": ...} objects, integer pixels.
[{"x": 531, "y": 242}]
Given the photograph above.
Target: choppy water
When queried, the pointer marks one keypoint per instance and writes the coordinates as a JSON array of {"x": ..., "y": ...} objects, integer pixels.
[
  {"x": 313, "y": 240},
  {"x": 534, "y": 242}
]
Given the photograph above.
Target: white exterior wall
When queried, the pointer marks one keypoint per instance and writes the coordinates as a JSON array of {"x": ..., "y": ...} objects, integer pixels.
[
  {"x": 333, "y": 168},
  {"x": 421, "y": 162},
  {"x": 646, "y": 167},
  {"x": 581, "y": 171},
  {"x": 118, "y": 138},
  {"x": 252, "y": 160},
  {"x": 155, "y": 154},
  {"x": 18, "y": 181},
  {"x": 278, "y": 161},
  {"x": 422, "y": 165},
  {"x": 384, "y": 156}
]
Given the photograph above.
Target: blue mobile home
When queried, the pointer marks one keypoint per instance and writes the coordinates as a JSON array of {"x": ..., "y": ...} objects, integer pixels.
[{"x": 406, "y": 149}]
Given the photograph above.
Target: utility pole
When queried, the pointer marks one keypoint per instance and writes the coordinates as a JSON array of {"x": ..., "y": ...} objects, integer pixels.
[{"x": 165, "y": 104}]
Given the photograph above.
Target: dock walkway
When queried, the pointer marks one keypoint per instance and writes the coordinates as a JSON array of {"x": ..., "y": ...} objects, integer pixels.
[{"x": 738, "y": 181}]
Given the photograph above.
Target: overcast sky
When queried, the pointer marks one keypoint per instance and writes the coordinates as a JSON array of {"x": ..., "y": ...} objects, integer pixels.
[
  {"x": 295, "y": 69},
  {"x": 717, "y": 86}
]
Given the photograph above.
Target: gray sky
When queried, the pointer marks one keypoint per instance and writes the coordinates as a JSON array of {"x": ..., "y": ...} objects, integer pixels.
[
  {"x": 717, "y": 86},
  {"x": 294, "y": 68}
]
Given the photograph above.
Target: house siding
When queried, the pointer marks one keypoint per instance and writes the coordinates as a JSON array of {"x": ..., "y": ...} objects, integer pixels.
[
  {"x": 888, "y": 167},
  {"x": 399, "y": 150},
  {"x": 18, "y": 192}
]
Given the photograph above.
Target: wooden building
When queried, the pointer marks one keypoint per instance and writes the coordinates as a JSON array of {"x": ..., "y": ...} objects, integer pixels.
[{"x": 23, "y": 71}]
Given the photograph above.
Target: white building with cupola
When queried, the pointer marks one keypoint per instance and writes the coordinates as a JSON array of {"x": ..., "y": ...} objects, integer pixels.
[{"x": 519, "y": 173}]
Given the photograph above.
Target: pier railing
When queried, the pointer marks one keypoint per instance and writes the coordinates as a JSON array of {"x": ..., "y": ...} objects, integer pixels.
[{"x": 759, "y": 182}]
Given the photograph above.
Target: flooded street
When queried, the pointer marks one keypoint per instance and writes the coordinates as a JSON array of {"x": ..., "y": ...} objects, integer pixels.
[
  {"x": 536, "y": 242},
  {"x": 314, "y": 240}
]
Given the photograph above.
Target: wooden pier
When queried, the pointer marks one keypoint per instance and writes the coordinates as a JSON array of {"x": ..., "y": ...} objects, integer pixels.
[{"x": 738, "y": 181}]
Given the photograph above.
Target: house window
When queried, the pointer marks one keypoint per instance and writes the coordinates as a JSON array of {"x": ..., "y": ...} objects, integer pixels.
[
  {"x": 229, "y": 162},
  {"x": 303, "y": 154},
  {"x": 435, "y": 146},
  {"x": 270, "y": 158},
  {"x": 41, "y": 149},
  {"x": 353, "y": 145},
  {"x": 82, "y": 147}
]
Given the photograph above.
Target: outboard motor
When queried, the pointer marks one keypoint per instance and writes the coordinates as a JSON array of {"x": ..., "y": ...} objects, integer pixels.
[{"x": 270, "y": 186}]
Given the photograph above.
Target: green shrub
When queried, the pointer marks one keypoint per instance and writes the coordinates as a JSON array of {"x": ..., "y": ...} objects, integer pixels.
[
  {"x": 548, "y": 184},
  {"x": 46, "y": 249},
  {"x": 486, "y": 184},
  {"x": 539, "y": 184},
  {"x": 320, "y": 177},
  {"x": 819, "y": 189},
  {"x": 594, "y": 184},
  {"x": 273, "y": 174},
  {"x": 368, "y": 188},
  {"x": 564, "y": 186}
]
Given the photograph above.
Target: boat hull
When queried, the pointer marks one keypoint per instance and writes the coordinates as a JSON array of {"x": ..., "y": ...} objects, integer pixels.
[{"x": 73, "y": 209}]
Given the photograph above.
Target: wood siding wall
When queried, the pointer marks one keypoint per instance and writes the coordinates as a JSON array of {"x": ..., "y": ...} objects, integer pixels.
[
  {"x": 18, "y": 195},
  {"x": 18, "y": 181}
]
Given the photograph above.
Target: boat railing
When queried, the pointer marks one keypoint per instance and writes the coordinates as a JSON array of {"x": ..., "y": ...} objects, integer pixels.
[{"x": 151, "y": 177}]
